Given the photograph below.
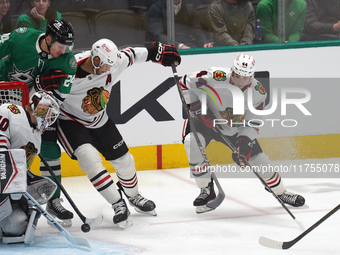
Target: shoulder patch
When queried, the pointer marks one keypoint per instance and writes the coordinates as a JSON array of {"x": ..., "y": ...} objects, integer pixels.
[
  {"x": 260, "y": 88},
  {"x": 14, "y": 109},
  {"x": 219, "y": 75},
  {"x": 73, "y": 63},
  {"x": 21, "y": 30}
]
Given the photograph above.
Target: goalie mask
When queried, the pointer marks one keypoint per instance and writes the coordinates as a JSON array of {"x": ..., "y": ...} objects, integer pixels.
[
  {"x": 45, "y": 109},
  {"x": 244, "y": 65},
  {"x": 107, "y": 52}
]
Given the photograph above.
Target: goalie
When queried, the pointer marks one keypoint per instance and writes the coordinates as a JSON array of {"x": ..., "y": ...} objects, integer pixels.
[{"x": 20, "y": 140}]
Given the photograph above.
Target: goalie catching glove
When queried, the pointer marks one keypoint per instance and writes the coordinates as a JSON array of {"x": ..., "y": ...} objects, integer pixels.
[
  {"x": 244, "y": 146},
  {"x": 49, "y": 80},
  {"x": 163, "y": 54}
]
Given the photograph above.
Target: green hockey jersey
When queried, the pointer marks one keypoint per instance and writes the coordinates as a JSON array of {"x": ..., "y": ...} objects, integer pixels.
[{"x": 24, "y": 60}]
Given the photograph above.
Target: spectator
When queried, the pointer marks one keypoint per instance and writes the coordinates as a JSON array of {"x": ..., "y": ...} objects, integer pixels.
[
  {"x": 5, "y": 18},
  {"x": 188, "y": 31},
  {"x": 322, "y": 20},
  {"x": 39, "y": 16},
  {"x": 232, "y": 22},
  {"x": 267, "y": 13}
]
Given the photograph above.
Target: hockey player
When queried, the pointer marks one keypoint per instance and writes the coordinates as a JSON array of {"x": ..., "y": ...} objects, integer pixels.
[
  {"x": 21, "y": 128},
  {"x": 243, "y": 136},
  {"x": 85, "y": 128},
  {"x": 44, "y": 61}
]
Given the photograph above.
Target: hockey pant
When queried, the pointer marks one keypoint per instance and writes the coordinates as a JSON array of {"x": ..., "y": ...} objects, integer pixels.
[
  {"x": 50, "y": 150},
  {"x": 89, "y": 143},
  {"x": 200, "y": 171}
]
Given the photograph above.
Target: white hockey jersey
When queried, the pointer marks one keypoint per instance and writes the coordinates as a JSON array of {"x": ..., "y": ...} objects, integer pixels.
[
  {"x": 89, "y": 96},
  {"x": 16, "y": 132},
  {"x": 213, "y": 85}
]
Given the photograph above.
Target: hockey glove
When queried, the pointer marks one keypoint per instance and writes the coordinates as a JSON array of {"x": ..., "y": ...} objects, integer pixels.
[
  {"x": 244, "y": 146},
  {"x": 163, "y": 54},
  {"x": 195, "y": 109},
  {"x": 49, "y": 80}
]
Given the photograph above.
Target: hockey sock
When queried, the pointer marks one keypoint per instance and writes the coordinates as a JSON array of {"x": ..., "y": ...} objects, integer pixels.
[{"x": 56, "y": 167}]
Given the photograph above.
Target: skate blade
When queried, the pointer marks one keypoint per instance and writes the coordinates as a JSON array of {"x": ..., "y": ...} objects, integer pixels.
[
  {"x": 203, "y": 209},
  {"x": 152, "y": 213},
  {"x": 63, "y": 223},
  {"x": 124, "y": 224}
]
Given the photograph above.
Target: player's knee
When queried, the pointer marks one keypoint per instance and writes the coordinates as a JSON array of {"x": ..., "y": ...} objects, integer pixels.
[
  {"x": 88, "y": 158},
  {"x": 191, "y": 148},
  {"x": 124, "y": 164},
  {"x": 50, "y": 151}
]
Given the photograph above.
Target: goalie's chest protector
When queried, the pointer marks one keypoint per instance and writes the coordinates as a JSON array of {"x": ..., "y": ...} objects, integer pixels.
[{"x": 18, "y": 130}]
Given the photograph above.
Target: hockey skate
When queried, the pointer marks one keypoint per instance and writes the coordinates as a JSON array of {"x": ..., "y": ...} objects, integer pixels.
[
  {"x": 207, "y": 194},
  {"x": 122, "y": 213},
  {"x": 140, "y": 203},
  {"x": 292, "y": 199},
  {"x": 57, "y": 211}
]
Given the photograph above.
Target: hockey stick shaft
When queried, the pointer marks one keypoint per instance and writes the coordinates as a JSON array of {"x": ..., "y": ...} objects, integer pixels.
[
  {"x": 90, "y": 221},
  {"x": 286, "y": 245},
  {"x": 232, "y": 147},
  {"x": 82, "y": 242},
  {"x": 219, "y": 199}
]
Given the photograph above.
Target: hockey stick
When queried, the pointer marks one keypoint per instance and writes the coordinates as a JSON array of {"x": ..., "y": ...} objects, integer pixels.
[
  {"x": 213, "y": 204},
  {"x": 232, "y": 147},
  {"x": 267, "y": 242},
  {"x": 77, "y": 241},
  {"x": 87, "y": 221}
]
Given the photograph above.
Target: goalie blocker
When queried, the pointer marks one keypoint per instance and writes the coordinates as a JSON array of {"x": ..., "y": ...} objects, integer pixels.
[{"x": 18, "y": 219}]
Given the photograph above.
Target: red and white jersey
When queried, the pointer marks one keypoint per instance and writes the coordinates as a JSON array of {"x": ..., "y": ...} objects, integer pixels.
[
  {"x": 213, "y": 85},
  {"x": 89, "y": 96},
  {"x": 16, "y": 132}
]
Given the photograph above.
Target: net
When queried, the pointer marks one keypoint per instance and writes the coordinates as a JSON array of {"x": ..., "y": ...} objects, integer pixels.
[{"x": 14, "y": 92}]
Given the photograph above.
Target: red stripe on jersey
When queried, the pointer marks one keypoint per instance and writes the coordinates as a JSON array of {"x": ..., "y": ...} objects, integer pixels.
[
  {"x": 102, "y": 180},
  {"x": 65, "y": 143},
  {"x": 86, "y": 125},
  {"x": 130, "y": 55},
  {"x": 4, "y": 141}
]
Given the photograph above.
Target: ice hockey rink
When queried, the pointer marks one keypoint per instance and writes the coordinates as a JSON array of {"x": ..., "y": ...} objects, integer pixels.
[{"x": 247, "y": 213}]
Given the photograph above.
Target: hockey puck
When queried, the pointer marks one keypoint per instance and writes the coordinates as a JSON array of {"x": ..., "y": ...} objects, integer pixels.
[{"x": 85, "y": 227}]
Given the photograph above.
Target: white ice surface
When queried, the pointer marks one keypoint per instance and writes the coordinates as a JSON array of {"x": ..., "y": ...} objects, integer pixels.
[{"x": 247, "y": 213}]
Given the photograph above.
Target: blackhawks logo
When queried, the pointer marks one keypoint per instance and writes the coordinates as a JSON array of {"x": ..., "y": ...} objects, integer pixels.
[
  {"x": 31, "y": 152},
  {"x": 95, "y": 100},
  {"x": 219, "y": 76},
  {"x": 233, "y": 120},
  {"x": 260, "y": 88},
  {"x": 14, "y": 109}
]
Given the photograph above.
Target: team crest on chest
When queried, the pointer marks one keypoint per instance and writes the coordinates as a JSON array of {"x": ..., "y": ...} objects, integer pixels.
[
  {"x": 219, "y": 75},
  {"x": 31, "y": 152},
  {"x": 95, "y": 100},
  {"x": 260, "y": 88},
  {"x": 14, "y": 109},
  {"x": 233, "y": 120}
]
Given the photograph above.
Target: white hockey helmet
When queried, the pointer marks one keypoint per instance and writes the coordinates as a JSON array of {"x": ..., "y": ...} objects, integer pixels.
[
  {"x": 107, "y": 52},
  {"x": 244, "y": 65},
  {"x": 45, "y": 109}
]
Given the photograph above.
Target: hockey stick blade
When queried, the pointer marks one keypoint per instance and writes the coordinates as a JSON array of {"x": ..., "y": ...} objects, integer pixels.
[
  {"x": 213, "y": 204},
  {"x": 77, "y": 241},
  {"x": 94, "y": 221},
  {"x": 267, "y": 242}
]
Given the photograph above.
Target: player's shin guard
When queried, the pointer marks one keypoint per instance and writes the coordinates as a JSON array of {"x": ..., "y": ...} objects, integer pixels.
[
  {"x": 128, "y": 184},
  {"x": 91, "y": 163}
]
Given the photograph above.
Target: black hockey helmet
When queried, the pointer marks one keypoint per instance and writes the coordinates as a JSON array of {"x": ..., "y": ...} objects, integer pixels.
[{"x": 61, "y": 31}]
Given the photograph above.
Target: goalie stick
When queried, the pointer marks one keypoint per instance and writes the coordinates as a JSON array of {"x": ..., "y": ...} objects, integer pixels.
[
  {"x": 87, "y": 221},
  {"x": 77, "y": 241},
  {"x": 213, "y": 204},
  {"x": 267, "y": 242},
  {"x": 232, "y": 147}
]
